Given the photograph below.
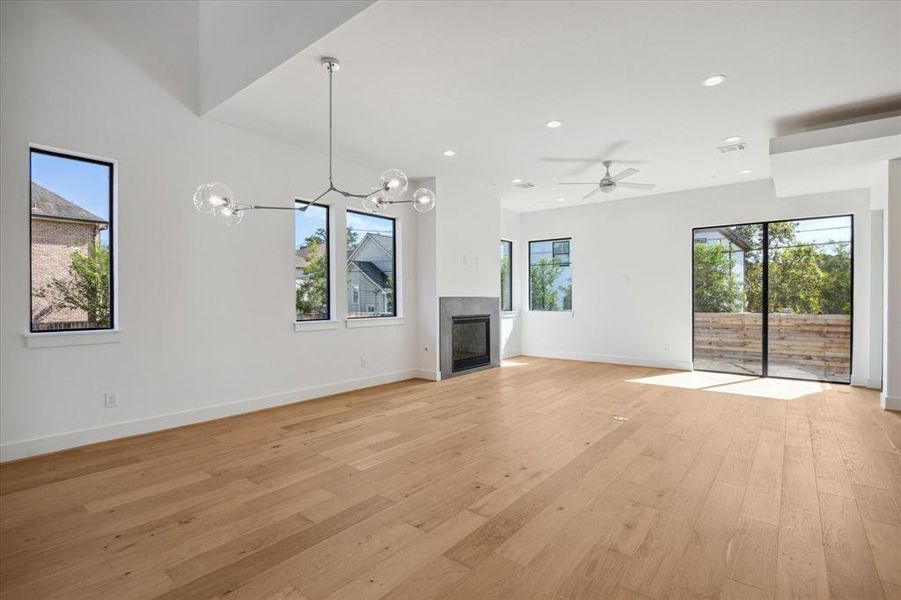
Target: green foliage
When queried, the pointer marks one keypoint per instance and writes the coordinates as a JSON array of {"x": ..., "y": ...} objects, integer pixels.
[
  {"x": 803, "y": 278},
  {"x": 87, "y": 288},
  {"x": 544, "y": 293},
  {"x": 353, "y": 238},
  {"x": 311, "y": 296},
  {"x": 717, "y": 289},
  {"x": 505, "y": 282}
]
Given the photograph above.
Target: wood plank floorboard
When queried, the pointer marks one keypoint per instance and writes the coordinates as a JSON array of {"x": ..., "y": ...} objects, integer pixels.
[{"x": 509, "y": 483}]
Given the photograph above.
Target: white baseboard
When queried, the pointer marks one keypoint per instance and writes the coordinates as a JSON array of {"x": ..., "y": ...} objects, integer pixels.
[
  {"x": 428, "y": 374},
  {"x": 82, "y": 437},
  {"x": 633, "y": 361},
  {"x": 889, "y": 402}
]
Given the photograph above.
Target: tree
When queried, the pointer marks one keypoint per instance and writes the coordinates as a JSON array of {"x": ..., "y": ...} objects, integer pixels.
[
  {"x": 87, "y": 288},
  {"x": 544, "y": 276},
  {"x": 505, "y": 279},
  {"x": 311, "y": 294},
  {"x": 717, "y": 288},
  {"x": 353, "y": 238},
  {"x": 836, "y": 285},
  {"x": 794, "y": 280}
]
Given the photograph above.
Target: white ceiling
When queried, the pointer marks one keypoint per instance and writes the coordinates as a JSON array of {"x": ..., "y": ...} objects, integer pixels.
[{"x": 482, "y": 78}]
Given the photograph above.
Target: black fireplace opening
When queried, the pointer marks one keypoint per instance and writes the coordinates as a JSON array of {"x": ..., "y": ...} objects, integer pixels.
[{"x": 471, "y": 342}]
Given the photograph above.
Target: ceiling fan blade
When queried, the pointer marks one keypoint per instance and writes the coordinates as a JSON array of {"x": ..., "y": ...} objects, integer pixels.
[
  {"x": 637, "y": 186},
  {"x": 591, "y": 193},
  {"x": 578, "y": 183},
  {"x": 624, "y": 174}
]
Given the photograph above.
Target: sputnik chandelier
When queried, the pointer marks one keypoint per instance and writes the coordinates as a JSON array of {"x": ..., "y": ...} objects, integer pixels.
[{"x": 218, "y": 200}]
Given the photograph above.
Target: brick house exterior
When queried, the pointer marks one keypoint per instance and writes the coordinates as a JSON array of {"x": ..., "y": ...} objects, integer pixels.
[{"x": 58, "y": 228}]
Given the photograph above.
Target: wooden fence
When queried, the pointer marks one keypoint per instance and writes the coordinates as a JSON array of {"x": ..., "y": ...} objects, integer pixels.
[{"x": 811, "y": 344}]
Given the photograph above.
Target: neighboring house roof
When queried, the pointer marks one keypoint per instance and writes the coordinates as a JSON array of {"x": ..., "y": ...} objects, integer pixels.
[
  {"x": 45, "y": 203},
  {"x": 370, "y": 270},
  {"x": 385, "y": 242}
]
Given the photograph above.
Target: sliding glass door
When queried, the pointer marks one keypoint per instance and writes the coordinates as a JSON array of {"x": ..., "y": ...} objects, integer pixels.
[
  {"x": 775, "y": 299},
  {"x": 728, "y": 293}
]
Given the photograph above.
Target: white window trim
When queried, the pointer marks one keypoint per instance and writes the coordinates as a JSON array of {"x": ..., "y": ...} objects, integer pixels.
[
  {"x": 318, "y": 325},
  {"x": 113, "y": 335},
  {"x": 57, "y": 339},
  {"x": 353, "y": 323}
]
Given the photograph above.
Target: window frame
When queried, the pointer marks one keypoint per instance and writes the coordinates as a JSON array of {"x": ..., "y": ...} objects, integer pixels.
[
  {"x": 509, "y": 244},
  {"x": 329, "y": 263},
  {"x": 394, "y": 288},
  {"x": 113, "y": 221},
  {"x": 529, "y": 258}
]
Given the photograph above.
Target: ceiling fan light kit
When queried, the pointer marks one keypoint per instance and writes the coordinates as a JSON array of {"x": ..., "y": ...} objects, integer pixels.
[{"x": 219, "y": 201}]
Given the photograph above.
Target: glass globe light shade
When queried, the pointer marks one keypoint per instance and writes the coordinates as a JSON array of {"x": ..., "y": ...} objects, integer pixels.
[
  {"x": 375, "y": 203},
  {"x": 393, "y": 182},
  {"x": 227, "y": 215},
  {"x": 210, "y": 197},
  {"x": 423, "y": 200}
]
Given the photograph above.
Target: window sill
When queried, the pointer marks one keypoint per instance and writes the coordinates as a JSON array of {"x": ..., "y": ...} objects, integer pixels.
[
  {"x": 568, "y": 313},
  {"x": 316, "y": 325},
  {"x": 373, "y": 322},
  {"x": 510, "y": 314},
  {"x": 56, "y": 339}
]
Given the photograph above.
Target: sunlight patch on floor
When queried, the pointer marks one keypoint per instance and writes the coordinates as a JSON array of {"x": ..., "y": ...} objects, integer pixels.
[
  {"x": 513, "y": 363},
  {"x": 692, "y": 380},
  {"x": 780, "y": 389},
  {"x": 762, "y": 387}
]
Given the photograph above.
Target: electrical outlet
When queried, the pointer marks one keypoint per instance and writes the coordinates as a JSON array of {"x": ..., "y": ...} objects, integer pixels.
[
  {"x": 363, "y": 362},
  {"x": 666, "y": 347},
  {"x": 110, "y": 400}
]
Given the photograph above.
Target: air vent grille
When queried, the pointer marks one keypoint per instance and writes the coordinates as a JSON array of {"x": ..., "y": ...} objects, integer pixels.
[
  {"x": 731, "y": 148},
  {"x": 524, "y": 185}
]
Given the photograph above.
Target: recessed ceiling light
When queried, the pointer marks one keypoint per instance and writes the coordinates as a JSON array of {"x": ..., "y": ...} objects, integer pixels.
[
  {"x": 714, "y": 80},
  {"x": 449, "y": 153},
  {"x": 561, "y": 199},
  {"x": 745, "y": 172},
  {"x": 731, "y": 139},
  {"x": 516, "y": 181},
  {"x": 554, "y": 124}
]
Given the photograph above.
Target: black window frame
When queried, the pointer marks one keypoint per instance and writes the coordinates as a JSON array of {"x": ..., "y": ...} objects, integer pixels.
[
  {"x": 765, "y": 247},
  {"x": 509, "y": 245},
  {"x": 328, "y": 262},
  {"x": 394, "y": 265},
  {"x": 111, "y": 220},
  {"x": 569, "y": 264}
]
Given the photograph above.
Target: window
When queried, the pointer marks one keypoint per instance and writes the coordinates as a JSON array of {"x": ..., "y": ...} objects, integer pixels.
[
  {"x": 71, "y": 243},
  {"x": 371, "y": 266},
  {"x": 312, "y": 263},
  {"x": 550, "y": 275},
  {"x": 506, "y": 275}
]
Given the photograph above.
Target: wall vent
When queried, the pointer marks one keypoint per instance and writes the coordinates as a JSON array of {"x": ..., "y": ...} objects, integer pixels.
[
  {"x": 731, "y": 148},
  {"x": 524, "y": 185}
]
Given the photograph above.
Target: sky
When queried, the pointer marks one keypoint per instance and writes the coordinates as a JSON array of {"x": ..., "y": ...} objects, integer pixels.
[
  {"x": 83, "y": 183},
  {"x": 306, "y": 223}
]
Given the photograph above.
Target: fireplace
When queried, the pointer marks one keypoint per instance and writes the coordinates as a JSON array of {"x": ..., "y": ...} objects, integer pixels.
[
  {"x": 471, "y": 342},
  {"x": 469, "y": 332}
]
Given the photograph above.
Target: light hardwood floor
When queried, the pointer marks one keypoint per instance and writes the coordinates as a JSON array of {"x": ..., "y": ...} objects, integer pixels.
[{"x": 511, "y": 483}]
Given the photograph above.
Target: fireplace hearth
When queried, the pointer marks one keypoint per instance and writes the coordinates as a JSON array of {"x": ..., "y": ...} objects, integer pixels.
[{"x": 471, "y": 342}]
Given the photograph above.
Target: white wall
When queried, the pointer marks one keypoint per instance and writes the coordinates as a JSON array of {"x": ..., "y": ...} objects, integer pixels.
[
  {"x": 511, "y": 322},
  {"x": 206, "y": 312},
  {"x": 891, "y": 332},
  {"x": 467, "y": 241},
  {"x": 632, "y": 271}
]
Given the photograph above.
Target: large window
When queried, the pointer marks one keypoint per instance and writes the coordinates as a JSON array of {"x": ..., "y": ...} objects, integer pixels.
[
  {"x": 506, "y": 275},
  {"x": 71, "y": 243},
  {"x": 550, "y": 275},
  {"x": 371, "y": 266},
  {"x": 775, "y": 299},
  {"x": 311, "y": 263}
]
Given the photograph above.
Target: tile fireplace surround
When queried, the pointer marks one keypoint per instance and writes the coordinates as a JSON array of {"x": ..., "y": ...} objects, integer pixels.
[{"x": 460, "y": 306}]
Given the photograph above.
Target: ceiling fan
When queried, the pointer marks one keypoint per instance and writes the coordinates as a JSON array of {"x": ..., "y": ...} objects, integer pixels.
[{"x": 609, "y": 183}]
